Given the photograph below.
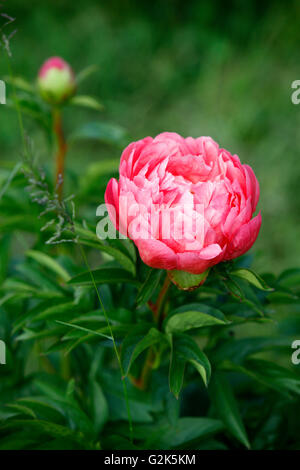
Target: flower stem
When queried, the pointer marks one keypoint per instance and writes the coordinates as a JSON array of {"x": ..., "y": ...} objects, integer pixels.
[
  {"x": 159, "y": 305},
  {"x": 61, "y": 150},
  {"x": 143, "y": 380}
]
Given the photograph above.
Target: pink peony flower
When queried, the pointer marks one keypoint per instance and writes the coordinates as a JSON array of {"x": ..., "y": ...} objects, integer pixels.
[
  {"x": 169, "y": 182},
  {"x": 56, "y": 80}
]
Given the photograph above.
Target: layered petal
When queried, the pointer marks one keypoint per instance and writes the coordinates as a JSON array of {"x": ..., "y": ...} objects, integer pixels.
[
  {"x": 244, "y": 238},
  {"x": 156, "y": 254},
  {"x": 186, "y": 203}
]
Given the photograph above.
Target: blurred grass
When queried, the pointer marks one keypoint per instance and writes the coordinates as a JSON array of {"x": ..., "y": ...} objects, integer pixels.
[{"x": 199, "y": 68}]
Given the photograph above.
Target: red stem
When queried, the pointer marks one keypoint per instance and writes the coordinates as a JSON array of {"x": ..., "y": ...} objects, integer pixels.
[{"x": 61, "y": 151}]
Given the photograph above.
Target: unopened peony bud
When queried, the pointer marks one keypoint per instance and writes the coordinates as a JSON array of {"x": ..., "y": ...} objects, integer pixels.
[{"x": 56, "y": 81}]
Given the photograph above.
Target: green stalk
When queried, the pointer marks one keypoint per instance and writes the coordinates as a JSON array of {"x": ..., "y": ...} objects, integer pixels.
[
  {"x": 21, "y": 128},
  {"x": 15, "y": 99}
]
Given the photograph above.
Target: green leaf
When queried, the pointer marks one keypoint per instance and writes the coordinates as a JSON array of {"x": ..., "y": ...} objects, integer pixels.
[
  {"x": 24, "y": 222},
  {"x": 99, "y": 406},
  {"x": 290, "y": 278},
  {"x": 39, "y": 278},
  {"x": 211, "y": 444},
  {"x": 238, "y": 349},
  {"x": 29, "y": 334},
  {"x": 227, "y": 408},
  {"x": 185, "y": 349},
  {"x": 252, "y": 278},
  {"x": 31, "y": 106},
  {"x": 21, "y": 83},
  {"x": 172, "y": 408},
  {"x": 269, "y": 374},
  {"x": 22, "y": 409},
  {"x": 46, "y": 311},
  {"x": 18, "y": 440},
  {"x": 283, "y": 298},
  {"x": 103, "y": 132},
  {"x": 193, "y": 316},
  {"x": 49, "y": 263},
  {"x": 136, "y": 342},
  {"x": 149, "y": 286},
  {"x": 234, "y": 289},
  {"x": 51, "y": 429},
  {"x": 187, "y": 430},
  {"x": 96, "y": 177},
  {"x": 10, "y": 179},
  {"x": 187, "y": 281},
  {"x": 42, "y": 408},
  {"x": 104, "y": 276},
  {"x": 86, "y": 102},
  {"x": 57, "y": 398},
  {"x": 85, "y": 73},
  {"x": 86, "y": 330},
  {"x": 57, "y": 311},
  {"x": 114, "y": 248}
]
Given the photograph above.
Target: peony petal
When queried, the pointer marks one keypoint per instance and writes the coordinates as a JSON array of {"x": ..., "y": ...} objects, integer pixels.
[
  {"x": 253, "y": 191},
  {"x": 193, "y": 263},
  {"x": 244, "y": 238},
  {"x": 156, "y": 254},
  {"x": 210, "y": 251},
  {"x": 131, "y": 154},
  {"x": 111, "y": 198}
]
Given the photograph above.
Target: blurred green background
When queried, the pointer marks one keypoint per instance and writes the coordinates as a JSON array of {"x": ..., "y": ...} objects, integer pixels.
[{"x": 218, "y": 68}]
